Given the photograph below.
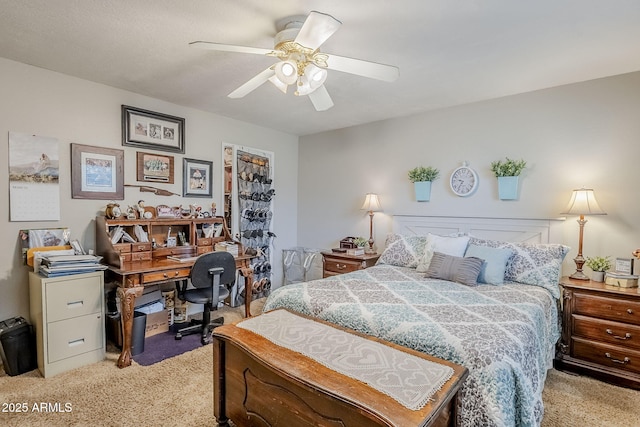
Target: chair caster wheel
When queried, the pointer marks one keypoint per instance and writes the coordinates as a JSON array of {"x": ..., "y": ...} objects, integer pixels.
[{"x": 178, "y": 336}]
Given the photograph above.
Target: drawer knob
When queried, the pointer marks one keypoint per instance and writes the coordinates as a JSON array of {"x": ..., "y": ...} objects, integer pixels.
[
  {"x": 618, "y": 337},
  {"x": 165, "y": 275},
  {"x": 623, "y": 362},
  {"x": 341, "y": 266},
  {"x": 177, "y": 273},
  {"x": 629, "y": 311}
]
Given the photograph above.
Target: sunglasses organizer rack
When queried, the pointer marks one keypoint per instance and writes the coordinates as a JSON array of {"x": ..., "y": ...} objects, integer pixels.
[{"x": 255, "y": 197}]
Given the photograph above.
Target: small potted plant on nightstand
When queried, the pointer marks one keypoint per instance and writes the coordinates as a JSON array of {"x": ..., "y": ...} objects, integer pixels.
[
  {"x": 507, "y": 171},
  {"x": 422, "y": 177},
  {"x": 599, "y": 265}
]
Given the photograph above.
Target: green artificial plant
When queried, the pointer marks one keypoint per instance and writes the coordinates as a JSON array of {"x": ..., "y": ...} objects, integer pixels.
[
  {"x": 508, "y": 167},
  {"x": 598, "y": 263},
  {"x": 422, "y": 174}
]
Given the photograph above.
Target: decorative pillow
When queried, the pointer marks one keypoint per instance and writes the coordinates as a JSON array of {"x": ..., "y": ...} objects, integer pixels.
[
  {"x": 402, "y": 251},
  {"x": 538, "y": 264},
  {"x": 453, "y": 244},
  {"x": 455, "y": 269},
  {"x": 494, "y": 265}
]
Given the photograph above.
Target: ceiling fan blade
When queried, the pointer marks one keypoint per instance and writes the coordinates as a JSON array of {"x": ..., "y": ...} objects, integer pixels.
[
  {"x": 253, "y": 84},
  {"x": 231, "y": 48},
  {"x": 317, "y": 28},
  {"x": 373, "y": 70},
  {"x": 320, "y": 99}
]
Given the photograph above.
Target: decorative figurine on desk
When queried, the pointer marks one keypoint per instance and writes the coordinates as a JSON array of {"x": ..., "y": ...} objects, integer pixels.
[
  {"x": 196, "y": 211},
  {"x": 131, "y": 213},
  {"x": 113, "y": 211},
  {"x": 140, "y": 207}
]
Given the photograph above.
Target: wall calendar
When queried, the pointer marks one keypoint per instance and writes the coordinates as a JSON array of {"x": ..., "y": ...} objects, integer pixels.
[{"x": 34, "y": 189}]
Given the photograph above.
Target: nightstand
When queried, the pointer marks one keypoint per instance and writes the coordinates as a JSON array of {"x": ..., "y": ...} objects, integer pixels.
[
  {"x": 338, "y": 263},
  {"x": 600, "y": 332}
]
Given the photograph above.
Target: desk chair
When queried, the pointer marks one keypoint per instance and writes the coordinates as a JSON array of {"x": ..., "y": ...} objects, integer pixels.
[{"x": 212, "y": 275}]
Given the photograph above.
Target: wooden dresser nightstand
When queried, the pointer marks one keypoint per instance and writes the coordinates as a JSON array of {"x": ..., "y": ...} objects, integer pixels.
[
  {"x": 334, "y": 263},
  {"x": 600, "y": 332}
]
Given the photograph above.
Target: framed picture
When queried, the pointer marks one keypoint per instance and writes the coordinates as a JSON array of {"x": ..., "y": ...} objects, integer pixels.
[
  {"x": 197, "y": 180},
  {"x": 143, "y": 128},
  {"x": 97, "y": 173},
  {"x": 624, "y": 265},
  {"x": 153, "y": 167},
  {"x": 165, "y": 211}
]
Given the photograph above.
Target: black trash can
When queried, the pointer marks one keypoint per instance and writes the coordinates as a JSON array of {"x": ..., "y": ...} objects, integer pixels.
[
  {"x": 137, "y": 332},
  {"x": 18, "y": 346},
  {"x": 114, "y": 331}
]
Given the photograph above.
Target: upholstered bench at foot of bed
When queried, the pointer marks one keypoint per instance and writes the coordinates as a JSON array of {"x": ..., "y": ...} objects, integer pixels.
[{"x": 260, "y": 383}]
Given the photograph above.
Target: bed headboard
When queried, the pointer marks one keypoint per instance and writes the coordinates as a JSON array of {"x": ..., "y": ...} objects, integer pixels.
[{"x": 503, "y": 229}]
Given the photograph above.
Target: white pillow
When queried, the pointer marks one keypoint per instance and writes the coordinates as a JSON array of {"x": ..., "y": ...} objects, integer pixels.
[{"x": 453, "y": 244}]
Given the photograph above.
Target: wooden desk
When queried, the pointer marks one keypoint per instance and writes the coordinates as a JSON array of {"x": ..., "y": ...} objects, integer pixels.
[
  {"x": 132, "y": 277},
  {"x": 136, "y": 265}
]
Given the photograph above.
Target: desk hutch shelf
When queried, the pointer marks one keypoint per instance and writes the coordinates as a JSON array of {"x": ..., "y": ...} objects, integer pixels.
[{"x": 188, "y": 234}]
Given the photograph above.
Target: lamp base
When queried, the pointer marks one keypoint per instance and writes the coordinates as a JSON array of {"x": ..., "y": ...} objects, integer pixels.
[{"x": 579, "y": 275}]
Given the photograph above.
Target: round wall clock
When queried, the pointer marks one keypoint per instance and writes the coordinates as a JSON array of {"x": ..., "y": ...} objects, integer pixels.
[{"x": 463, "y": 181}]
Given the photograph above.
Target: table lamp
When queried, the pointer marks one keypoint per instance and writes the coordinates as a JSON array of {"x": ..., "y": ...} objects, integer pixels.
[
  {"x": 371, "y": 204},
  {"x": 583, "y": 202}
]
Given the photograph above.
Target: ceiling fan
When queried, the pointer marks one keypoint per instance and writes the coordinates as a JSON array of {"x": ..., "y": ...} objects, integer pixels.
[{"x": 301, "y": 63}]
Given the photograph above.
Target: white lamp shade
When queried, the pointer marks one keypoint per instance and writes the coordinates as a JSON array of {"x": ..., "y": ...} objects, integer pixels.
[
  {"x": 315, "y": 75},
  {"x": 371, "y": 203},
  {"x": 287, "y": 72},
  {"x": 583, "y": 202}
]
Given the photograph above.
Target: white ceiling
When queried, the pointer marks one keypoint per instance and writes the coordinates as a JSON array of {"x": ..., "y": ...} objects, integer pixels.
[{"x": 449, "y": 52}]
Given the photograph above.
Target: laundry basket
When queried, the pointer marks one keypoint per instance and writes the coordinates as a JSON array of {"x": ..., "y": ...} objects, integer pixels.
[{"x": 301, "y": 264}]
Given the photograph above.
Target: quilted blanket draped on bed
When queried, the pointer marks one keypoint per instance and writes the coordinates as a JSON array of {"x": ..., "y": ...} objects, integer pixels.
[{"x": 504, "y": 335}]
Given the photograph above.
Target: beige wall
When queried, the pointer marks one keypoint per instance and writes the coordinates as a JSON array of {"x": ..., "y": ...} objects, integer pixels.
[
  {"x": 585, "y": 134},
  {"x": 41, "y": 102}
]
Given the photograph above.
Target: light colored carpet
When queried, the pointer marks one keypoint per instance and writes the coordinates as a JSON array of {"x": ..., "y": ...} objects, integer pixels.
[{"x": 179, "y": 391}]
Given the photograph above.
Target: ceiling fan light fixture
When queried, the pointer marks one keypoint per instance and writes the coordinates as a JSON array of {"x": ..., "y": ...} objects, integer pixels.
[
  {"x": 303, "y": 87},
  {"x": 287, "y": 72},
  {"x": 316, "y": 76},
  {"x": 277, "y": 83}
]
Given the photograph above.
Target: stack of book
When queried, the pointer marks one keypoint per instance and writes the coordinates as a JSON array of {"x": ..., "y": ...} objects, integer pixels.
[
  {"x": 355, "y": 251},
  {"x": 621, "y": 279},
  {"x": 228, "y": 247},
  {"x": 62, "y": 265}
]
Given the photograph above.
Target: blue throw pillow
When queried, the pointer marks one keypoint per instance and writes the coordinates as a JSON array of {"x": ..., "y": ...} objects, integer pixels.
[{"x": 494, "y": 265}]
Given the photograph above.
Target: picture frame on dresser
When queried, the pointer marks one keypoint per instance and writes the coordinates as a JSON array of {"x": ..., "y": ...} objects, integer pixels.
[
  {"x": 197, "y": 178},
  {"x": 148, "y": 129},
  {"x": 97, "y": 173}
]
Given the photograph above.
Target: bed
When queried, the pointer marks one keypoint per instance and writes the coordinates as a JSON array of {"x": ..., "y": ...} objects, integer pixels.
[{"x": 503, "y": 328}]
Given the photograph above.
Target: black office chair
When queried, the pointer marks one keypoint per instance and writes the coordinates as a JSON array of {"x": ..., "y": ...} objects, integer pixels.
[{"x": 212, "y": 275}]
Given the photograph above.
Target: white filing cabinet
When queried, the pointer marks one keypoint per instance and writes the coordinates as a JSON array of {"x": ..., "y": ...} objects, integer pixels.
[{"x": 68, "y": 315}]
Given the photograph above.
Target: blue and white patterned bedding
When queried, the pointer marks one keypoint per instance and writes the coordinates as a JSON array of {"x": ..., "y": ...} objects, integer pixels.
[{"x": 505, "y": 335}]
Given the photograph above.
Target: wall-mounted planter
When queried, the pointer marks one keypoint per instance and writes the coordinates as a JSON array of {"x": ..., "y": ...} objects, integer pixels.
[
  {"x": 423, "y": 190},
  {"x": 508, "y": 187}
]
